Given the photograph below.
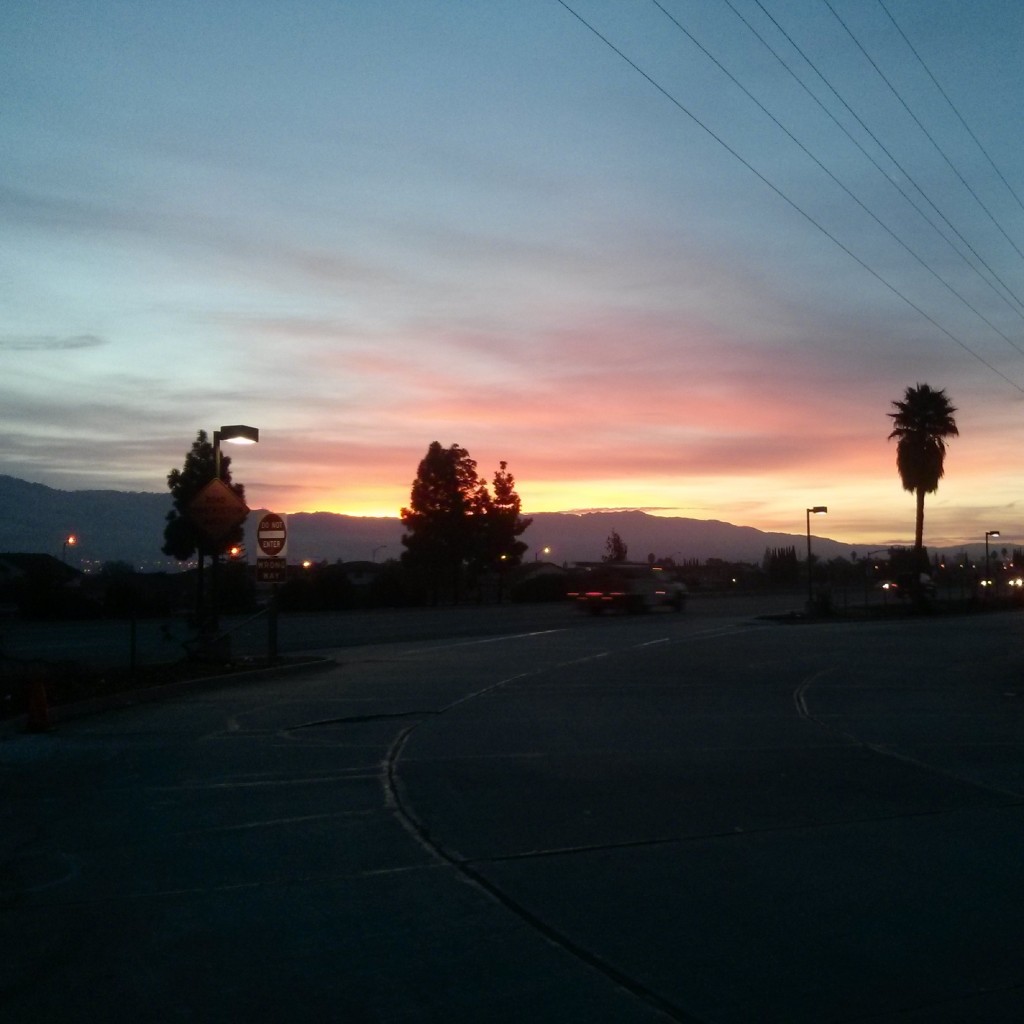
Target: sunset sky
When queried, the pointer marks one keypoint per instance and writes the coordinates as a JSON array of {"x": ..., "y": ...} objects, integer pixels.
[{"x": 678, "y": 256}]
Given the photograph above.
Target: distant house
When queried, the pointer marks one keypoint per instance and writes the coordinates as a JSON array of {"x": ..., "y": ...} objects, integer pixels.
[
  {"x": 40, "y": 585},
  {"x": 362, "y": 573},
  {"x": 538, "y": 581},
  {"x": 18, "y": 567}
]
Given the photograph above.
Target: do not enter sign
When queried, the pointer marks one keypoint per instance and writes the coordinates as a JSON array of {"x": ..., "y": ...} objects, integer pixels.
[{"x": 272, "y": 536}]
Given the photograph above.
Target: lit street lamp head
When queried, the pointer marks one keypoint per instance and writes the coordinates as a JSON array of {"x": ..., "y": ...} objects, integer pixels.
[
  {"x": 988, "y": 535},
  {"x": 817, "y": 510},
  {"x": 238, "y": 433}
]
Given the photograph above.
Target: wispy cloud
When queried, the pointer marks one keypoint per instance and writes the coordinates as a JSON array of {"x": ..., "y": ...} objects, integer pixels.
[
  {"x": 651, "y": 510},
  {"x": 48, "y": 342},
  {"x": 354, "y": 253}
]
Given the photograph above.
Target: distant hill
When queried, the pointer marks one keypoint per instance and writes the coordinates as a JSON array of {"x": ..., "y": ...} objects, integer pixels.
[
  {"x": 110, "y": 525},
  {"x": 582, "y": 537},
  {"x": 128, "y": 526}
]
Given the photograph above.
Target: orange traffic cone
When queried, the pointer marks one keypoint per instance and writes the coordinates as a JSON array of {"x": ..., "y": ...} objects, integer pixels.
[{"x": 38, "y": 707}]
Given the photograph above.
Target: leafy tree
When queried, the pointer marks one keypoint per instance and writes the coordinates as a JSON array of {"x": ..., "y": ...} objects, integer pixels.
[
  {"x": 503, "y": 522},
  {"x": 454, "y": 522},
  {"x": 182, "y": 538},
  {"x": 615, "y": 549},
  {"x": 445, "y": 507},
  {"x": 781, "y": 566},
  {"x": 116, "y": 569},
  {"x": 921, "y": 423}
]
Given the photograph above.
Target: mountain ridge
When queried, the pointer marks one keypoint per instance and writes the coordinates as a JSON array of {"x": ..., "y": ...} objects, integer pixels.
[{"x": 128, "y": 526}]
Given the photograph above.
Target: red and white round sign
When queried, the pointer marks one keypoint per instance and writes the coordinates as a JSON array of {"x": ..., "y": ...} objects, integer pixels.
[{"x": 272, "y": 535}]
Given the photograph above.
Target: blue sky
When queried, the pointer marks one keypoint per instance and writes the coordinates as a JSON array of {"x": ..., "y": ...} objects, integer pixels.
[{"x": 567, "y": 240}]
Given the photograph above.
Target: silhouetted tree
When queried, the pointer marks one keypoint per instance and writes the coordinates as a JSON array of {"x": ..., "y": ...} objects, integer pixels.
[
  {"x": 921, "y": 424},
  {"x": 116, "y": 569},
  {"x": 446, "y": 506},
  {"x": 182, "y": 539},
  {"x": 500, "y": 527},
  {"x": 453, "y": 522},
  {"x": 615, "y": 549},
  {"x": 781, "y": 566},
  {"x": 502, "y": 522}
]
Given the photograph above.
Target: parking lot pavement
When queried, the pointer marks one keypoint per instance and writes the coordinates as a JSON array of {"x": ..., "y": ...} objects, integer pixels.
[{"x": 650, "y": 818}]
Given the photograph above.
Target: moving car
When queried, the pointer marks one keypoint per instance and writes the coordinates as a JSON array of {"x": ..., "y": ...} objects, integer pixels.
[{"x": 625, "y": 586}]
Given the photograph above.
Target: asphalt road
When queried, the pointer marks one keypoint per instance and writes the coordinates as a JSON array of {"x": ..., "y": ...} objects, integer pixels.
[
  {"x": 706, "y": 818},
  {"x": 110, "y": 641}
]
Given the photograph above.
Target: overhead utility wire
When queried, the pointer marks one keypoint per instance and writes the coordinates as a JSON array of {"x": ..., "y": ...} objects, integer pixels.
[
  {"x": 928, "y": 134},
  {"x": 924, "y": 195},
  {"x": 1019, "y": 308},
  {"x": 782, "y": 195},
  {"x": 952, "y": 106},
  {"x": 885, "y": 227}
]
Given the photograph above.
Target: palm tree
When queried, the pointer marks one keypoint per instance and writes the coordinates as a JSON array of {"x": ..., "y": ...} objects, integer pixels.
[{"x": 921, "y": 423}]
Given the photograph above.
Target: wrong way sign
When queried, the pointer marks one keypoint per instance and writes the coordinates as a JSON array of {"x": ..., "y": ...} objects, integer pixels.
[
  {"x": 271, "y": 570},
  {"x": 272, "y": 535}
]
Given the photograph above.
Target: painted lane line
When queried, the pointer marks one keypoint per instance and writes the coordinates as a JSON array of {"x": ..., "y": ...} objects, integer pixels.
[
  {"x": 272, "y": 822},
  {"x": 493, "y": 640},
  {"x": 361, "y": 775},
  {"x": 887, "y": 751},
  {"x": 800, "y": 695}
]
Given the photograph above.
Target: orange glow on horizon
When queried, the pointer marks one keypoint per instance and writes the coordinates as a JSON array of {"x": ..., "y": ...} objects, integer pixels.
[
  {"x": 867, "y": 510},
  {"x": 746, "y": 476}
]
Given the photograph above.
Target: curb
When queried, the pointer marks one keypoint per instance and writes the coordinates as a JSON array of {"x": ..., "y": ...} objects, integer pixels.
[{"x": 151, "y": 694}]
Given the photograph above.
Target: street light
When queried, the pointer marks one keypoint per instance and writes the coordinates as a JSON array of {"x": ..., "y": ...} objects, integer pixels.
[
  {"x": 69, "y": 541},
  {"x": 868, "y": 575},
  {"x": 236, "y": 433},
  {"x": 817, "y": 510},
  {"x": 988, "y": 533}
]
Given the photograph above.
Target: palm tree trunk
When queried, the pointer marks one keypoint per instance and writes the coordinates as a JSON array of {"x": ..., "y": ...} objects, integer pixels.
[
  {"x": 919, "y": 531},
  {"x": 920, "y": 566}
]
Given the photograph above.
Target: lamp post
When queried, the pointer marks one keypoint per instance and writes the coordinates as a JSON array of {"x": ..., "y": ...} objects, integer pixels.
[
  {"x": 502, "y": 562},
  {"x": 236, "y": 433},
  {"x": 817, "y": 510},
  {"x": 868, "y": 566},
  {"x": 69, "y": 541},
  {"x": 988, "y": 533}
]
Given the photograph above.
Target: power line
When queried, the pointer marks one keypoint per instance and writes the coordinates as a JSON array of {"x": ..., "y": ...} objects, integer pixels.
[
  {"x": 885, "y": 227},
  {"x": 782, "y": 195},
  {"x": 896, "y": 163},
  {"x": 928, "y": 134},
  {"x": 952, "y": 105}
]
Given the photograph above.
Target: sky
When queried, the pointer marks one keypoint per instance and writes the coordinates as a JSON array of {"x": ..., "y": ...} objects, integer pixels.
[{"x": 674, "y": 255}]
